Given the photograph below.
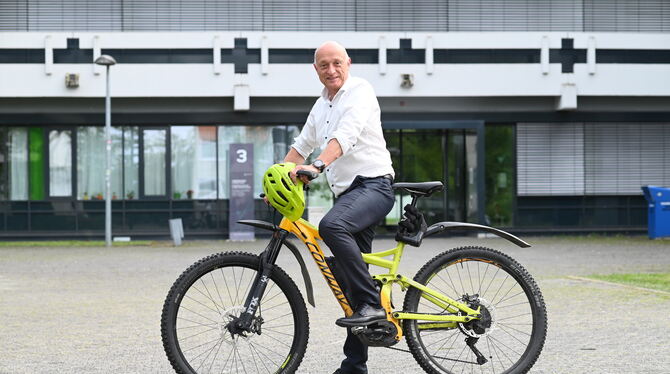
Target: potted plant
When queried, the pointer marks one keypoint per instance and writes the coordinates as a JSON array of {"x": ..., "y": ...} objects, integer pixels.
[
  {"x": 176, "y": 195},
  {"x": 114, "y": 197},
  {"x": 99, "y": 196},
  {"x": 189, "y": 194},
  {"x": 85, "y": 197},
  {"x": 130, "y": 195}
]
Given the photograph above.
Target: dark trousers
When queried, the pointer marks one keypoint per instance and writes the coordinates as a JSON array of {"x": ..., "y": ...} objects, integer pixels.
[{"x": 348, "y": 230}]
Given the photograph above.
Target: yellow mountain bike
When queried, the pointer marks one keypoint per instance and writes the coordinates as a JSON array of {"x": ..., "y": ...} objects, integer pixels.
[{"x": 468, "y": 310}]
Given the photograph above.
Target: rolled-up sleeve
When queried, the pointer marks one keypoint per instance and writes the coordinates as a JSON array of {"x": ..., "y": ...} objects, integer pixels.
[
  {"x": 355, "y": 116},
  {"x": 305, "y": 142}
]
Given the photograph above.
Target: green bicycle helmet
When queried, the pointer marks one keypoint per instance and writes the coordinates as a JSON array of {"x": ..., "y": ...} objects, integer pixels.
[{"x": 284, "y": 195}]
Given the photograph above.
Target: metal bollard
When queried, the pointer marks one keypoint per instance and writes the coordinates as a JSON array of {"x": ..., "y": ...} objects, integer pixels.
[{"x": 176, "y": 231}]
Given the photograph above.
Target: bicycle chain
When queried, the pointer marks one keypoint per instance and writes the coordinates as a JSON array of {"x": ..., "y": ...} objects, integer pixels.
[{"x": 444, "y": 358}]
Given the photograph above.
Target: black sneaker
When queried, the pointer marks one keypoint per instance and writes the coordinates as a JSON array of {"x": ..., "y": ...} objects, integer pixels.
[{"x": 364, "y": 315}]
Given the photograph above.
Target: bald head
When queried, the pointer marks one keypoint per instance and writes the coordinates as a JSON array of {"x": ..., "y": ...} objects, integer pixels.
[
  {"x": 329, "y": 47},
  {"x": 332, "y": 63}
]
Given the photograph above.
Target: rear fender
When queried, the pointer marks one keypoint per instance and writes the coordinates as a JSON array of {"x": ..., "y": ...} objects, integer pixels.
[{"x": 450, "y": 226}]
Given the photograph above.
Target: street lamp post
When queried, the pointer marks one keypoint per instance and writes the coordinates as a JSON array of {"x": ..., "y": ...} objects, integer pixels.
[{"x": 108, "y": 61}]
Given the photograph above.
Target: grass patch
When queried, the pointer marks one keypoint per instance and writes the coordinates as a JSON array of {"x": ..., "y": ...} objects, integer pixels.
[
  {"x": 75, "y": 243},
  {"x": 656, "y": 281}
]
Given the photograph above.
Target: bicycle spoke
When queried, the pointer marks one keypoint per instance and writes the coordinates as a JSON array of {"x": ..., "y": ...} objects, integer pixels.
[
  {"x": 491, "y": 282},
  {"x": 214, "y": 358},
  {"x": 209, "y": 295},
  {"x": 216, "y": 286},
  {"x": 512, "y": 336},
  {"x": 203, "y": 294},
  {"x": 504, "y": 297},
  {"x": 453, "y": 287},
  {"x": 198, "y": 346},
  {"x": 198, "y": 334},
  {"x": 208, "y": 353},
  {"x": 206, "y": 306},
  {"x": 227, "y": 288},
  {"x": 197, "y": 324},
  {"x": 198, "y": 314},
  {"x": 472, "y": 287},
  {"x": 499, "y": 288}
]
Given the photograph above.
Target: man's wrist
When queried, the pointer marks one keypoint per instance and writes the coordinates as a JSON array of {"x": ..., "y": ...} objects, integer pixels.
[{"x": 319, "y": 165}]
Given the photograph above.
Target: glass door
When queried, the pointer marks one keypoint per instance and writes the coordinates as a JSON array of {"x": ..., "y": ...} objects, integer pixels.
[
  {"x": 462, "y": 175},
  {"x": 422, "y": 161},
  {"x": 450, "y": 152},
  {"x": 153, "y": 163}
]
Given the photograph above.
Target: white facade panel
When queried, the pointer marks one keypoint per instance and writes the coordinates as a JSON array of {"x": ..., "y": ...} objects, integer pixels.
[{"x": 431, "y": 79}]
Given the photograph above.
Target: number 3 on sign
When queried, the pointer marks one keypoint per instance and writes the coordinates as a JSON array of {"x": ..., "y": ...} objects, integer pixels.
[{"x": 241, "y": 156}]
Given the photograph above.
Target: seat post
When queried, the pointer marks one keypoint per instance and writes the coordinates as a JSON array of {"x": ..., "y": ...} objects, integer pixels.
[{"x": 415, "y": 198}]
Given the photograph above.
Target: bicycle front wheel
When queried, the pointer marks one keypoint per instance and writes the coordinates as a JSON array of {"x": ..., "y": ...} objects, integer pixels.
[
  {"x": 510, "y": 333},
  {"x": 210, "y": 294}
]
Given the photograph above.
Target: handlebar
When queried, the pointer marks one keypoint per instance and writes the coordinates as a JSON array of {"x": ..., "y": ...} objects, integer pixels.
[{"x": 309, "y": 174}]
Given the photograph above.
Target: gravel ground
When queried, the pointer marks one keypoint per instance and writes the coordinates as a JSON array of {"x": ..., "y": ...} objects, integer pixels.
[{"x": 97, "y": 310}]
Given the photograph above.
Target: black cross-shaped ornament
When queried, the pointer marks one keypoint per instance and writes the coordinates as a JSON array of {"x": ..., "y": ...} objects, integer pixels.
[
  {"x": 242, "y": 56},
  {"x": 568, "y": 56}
]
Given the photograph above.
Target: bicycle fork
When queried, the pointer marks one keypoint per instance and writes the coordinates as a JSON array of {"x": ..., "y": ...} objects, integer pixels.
[{"x": 246, "y": 322}]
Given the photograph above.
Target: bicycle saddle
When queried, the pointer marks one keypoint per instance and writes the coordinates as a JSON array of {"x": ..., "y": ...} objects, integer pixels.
[{"x": 419, "y": 189}]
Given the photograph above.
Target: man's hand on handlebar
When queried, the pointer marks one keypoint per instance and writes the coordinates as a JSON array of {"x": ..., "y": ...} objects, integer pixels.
[{"x": 305, "y": 172}]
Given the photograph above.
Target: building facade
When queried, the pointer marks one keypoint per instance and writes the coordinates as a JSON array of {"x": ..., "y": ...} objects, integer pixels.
[{"x": 537, "y": 116}]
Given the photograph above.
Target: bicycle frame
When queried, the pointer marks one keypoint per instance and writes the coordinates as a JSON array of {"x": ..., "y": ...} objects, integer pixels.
[{"x": 308, "y": 234}]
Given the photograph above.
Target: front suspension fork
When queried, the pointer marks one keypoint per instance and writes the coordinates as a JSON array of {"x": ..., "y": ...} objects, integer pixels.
[{"x": 267, "y": 260}]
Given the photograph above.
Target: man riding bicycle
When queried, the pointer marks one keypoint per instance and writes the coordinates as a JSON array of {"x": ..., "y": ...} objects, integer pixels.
[{"x": 345, "y": 123}]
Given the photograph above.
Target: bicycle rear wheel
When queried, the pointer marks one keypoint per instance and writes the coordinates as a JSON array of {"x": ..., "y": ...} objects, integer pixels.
[
  {"x": 509, "y": 336},
  {"x": 211, "y": 293}
]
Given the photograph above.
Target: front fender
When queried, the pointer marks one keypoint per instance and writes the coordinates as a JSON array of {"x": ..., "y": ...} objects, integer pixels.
[
  {"x": 303, "y": 268},
  {"x": 448, "y": 226}
]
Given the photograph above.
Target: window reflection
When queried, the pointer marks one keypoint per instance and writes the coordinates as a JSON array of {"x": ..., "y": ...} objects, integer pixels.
[
  {"x": 194, "y": 162},
  {"x": 17, "y": 149},
  {"x": 131, "y": 162},
  {"x": 154, "y": 162},
  {"x": 60, "y": 163},
  {"x": 91, "y": 163},
  {"x": 262, "y": 139}
]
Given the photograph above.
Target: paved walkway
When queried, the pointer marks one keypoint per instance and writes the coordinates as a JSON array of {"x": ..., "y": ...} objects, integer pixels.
[{"x": 94, "y": 310}]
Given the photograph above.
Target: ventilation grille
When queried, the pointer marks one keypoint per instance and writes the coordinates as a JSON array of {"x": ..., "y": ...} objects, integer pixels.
[{"x": 346, "y": 15}]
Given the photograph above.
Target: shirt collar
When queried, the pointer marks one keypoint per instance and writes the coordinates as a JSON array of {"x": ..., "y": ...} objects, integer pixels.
[{"x": 347, "y": 85}]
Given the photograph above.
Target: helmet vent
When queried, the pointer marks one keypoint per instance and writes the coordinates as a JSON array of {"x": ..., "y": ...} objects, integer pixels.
[
  {"x": 282, "y": 195},
  {"x": 285, "y": 184}
]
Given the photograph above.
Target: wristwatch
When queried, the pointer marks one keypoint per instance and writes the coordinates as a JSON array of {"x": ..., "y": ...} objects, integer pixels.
[{"x": 319, "y": 165}]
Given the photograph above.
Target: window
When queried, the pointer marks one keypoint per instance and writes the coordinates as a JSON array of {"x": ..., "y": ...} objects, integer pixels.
[
  {"x": 91, "y": 162},
  {"x": 263, "y": 155},
  {"x": 154, "y": 152},
  {"x": 15, "y": 164},
  {"x": 60, "y": 163},
  {"x": 194, "y": 162},
  {"x": 499, "y": 174},
  {"x": 131, "y": 162}
]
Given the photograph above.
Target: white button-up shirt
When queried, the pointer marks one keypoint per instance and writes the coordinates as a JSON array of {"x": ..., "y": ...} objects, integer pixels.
[{"x": 353, "y": 118}]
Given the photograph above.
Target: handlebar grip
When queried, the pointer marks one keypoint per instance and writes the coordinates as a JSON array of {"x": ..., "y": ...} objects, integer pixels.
[{"x": 309, "y": 174}]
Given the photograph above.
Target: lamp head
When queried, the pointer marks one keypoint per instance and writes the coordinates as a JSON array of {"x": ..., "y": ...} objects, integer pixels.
[{"x": 105, "y": 60}]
